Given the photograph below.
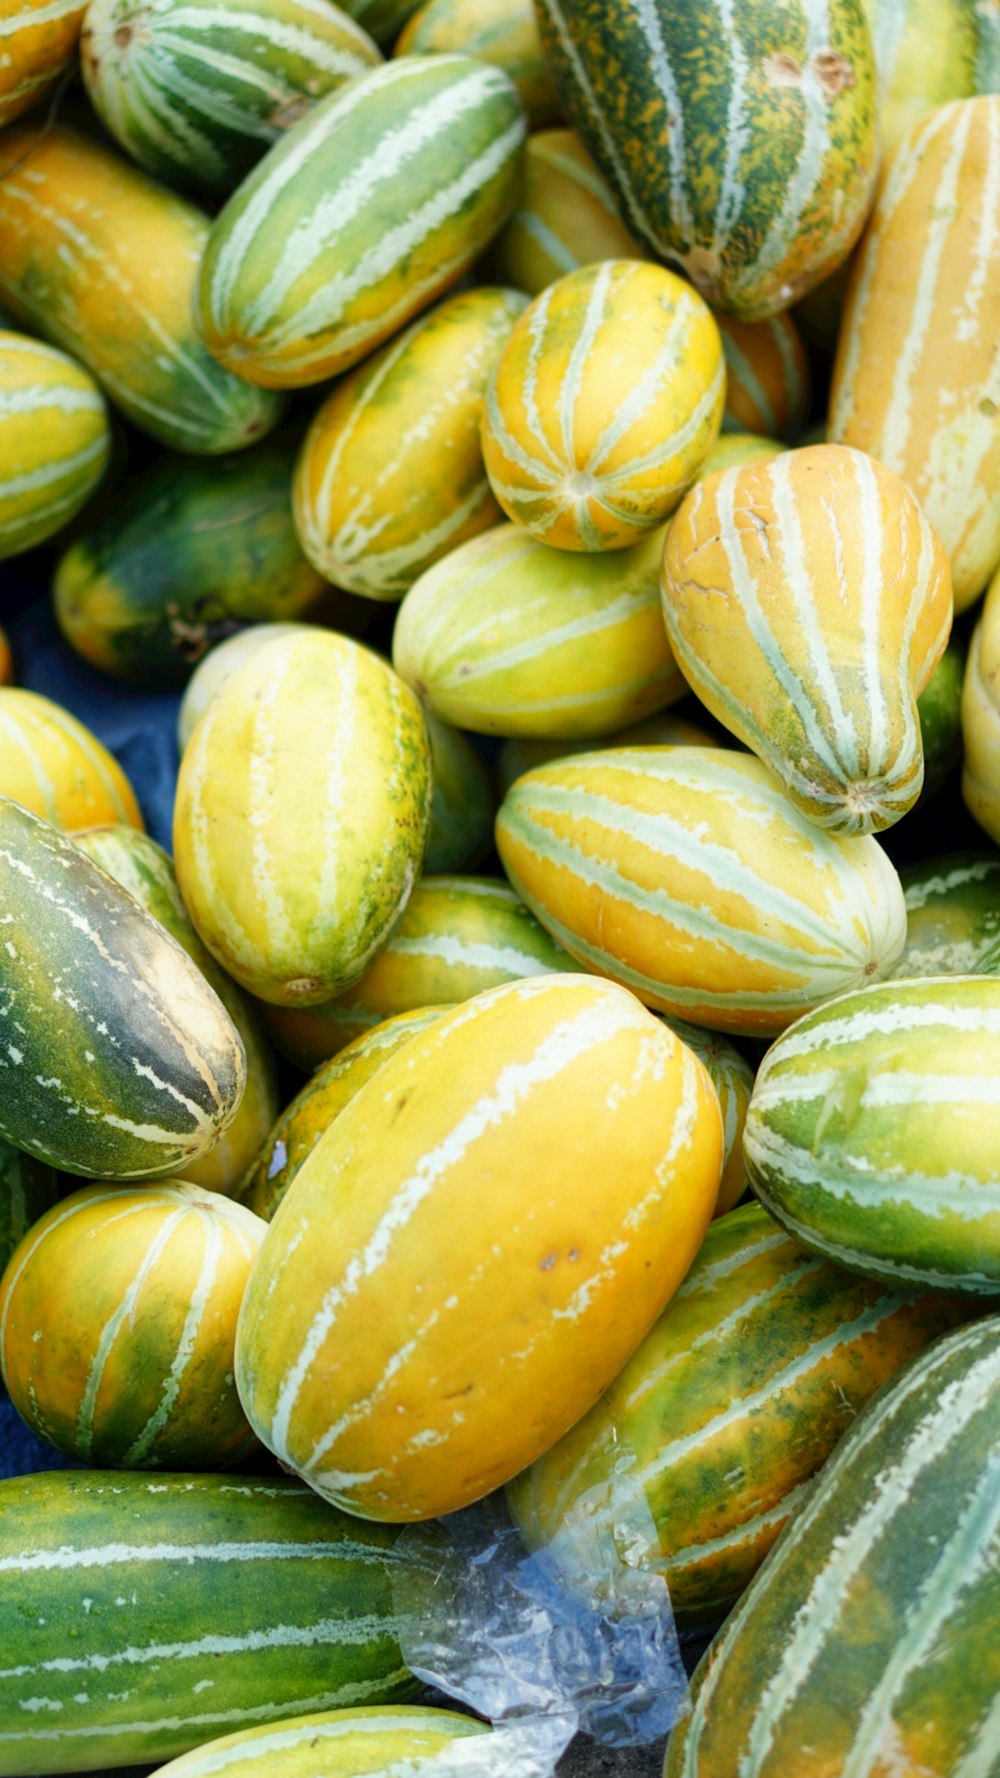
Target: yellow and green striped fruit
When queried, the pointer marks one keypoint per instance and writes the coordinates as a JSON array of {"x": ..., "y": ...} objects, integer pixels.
[
  {"x": 103, "y": 261},
  {"x": 50, "y": 763},
  {"x": 195, "y": 91},
  {"x": 322, "y": 1099},
  {"x": 601, "y": 1138},
  {"x": 808, "y": 601},
  {"x": 27, "y": 1189},
  {"x": 605, "y": 403},
  {"x": 54, "y": 441},
  {"x": 509, "y": 637},
  {"x": 194, "y": 547},
  {"x": 390, "y": 477},
  {"x": 566, "y": 216},
  {"x": 247, "y": 1601},
  {"x": 926, "y": 273},
  {"x": 302, "y": 812},
  {"x": 142, "y": 867},
  {"x": 503, "y": 32},
  {"x": 218, "y": 666},
  {"x": 981, "y": 717},
  {"x": 740, "y": 135},
  {"x": 37, "y": 44},
  {"x": 662, "y": 730},
  {"x": 732, "y": 1077},
  {"x": 767, "y": 376},
  {"x": 874, "y": 1132},
  {"x": 732, "y": 448},
  {"x": 684, "y": 873},
  {"x": 707, "y": 1441},
  {"x": 867, "y": 1647},
  {"x": 952, "y": 914},
  {"x": 462, "y": 804},
  {"x": 458, "y": 936},
  {"x": 120, "y": 1062},
  {"x": 926, "y": 53},
  {"x": 419, "y": 1740},
  {"x": 298, "y": 282},
  {"x": 117, "y": 1324}
]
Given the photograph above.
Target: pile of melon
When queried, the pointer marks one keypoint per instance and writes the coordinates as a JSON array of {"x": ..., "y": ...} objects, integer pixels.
[{"x": 544, "y": 464}]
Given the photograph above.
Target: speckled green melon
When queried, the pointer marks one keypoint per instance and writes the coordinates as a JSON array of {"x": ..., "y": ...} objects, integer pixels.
[
  {"x": 118, "y": 1059},
  {"x": 302, "y": 813},
  {"x": 740, "y": 135},
  {"x": 708, "y": 1440},
  {"x": 458, "y": 937},
  {"x": 323, "y": 1098},
  {"x": 952, "y": 914},
  {"x": 144, "y": 869}
]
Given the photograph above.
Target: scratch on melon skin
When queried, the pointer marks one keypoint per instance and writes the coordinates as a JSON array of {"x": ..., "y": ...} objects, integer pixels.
[
  {"x": 905, "y": 1513},
  {"x": 301, "y": 1614},
  {"x": 755, "y": 158},
  {"x": 117, "y": 1059}
]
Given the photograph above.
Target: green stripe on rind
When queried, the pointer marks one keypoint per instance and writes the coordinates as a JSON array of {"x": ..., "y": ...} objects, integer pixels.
[
  {"x": 396, "y": 1742},
  {"x": 196, "y": 92},
  {"x": 54, "y": 441},
  {"x": 709, "y": 1437},
  {"x": 952, "y": 914},
  {"x": 874, "y": 1129},
  {"x": 368, "y": 209},
  {"x": 117, "y": 1060},
  {"x": 853, "y": 1642},
  {"x": 140, "y": 1617},
  {"x": 741, "y": 140}
]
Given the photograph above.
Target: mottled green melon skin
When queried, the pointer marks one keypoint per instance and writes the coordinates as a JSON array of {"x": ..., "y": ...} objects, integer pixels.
[
  {"x": 279, "y": 1601},
  {"x": 713, "y": 164},
  {"x": 193, "y": 551},
  {"x": 117, "y": 1060},
  {"x": 952, "y": 914},
  {"x": 857, "y": 1631},
  {"x": 939, "y": 709}
]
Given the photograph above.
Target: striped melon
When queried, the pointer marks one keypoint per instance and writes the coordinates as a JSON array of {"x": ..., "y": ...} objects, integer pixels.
[
  {"x": 874, "y": 1132},
  {"x": 808, "y": 601},
  {"x": 684, "y": 873},
  {"x": 102, "y": 260},
  {"x": 606, "y": 400},
  {"x": 462, "y": 804},
  {"x": 390, "y": 476},
  {"x": 420, "y": 1741},
  {"x": 218, "y": 665},
  {"x": 867, "y": 1645},
  {"x": 662, "y": 730},
  {"x": 27, "y": 1189},
  {"x": 52, "y": 764},
  {"x": 767, "y": 376},
  {"x": 38, "y": 41},
  {"x": 298, "y": 282},
  {"x": 916, "y": 381},
  {"x": 117, "y": 1060},
  {"x": 740, "y": 135},
  {"x": 301, "y": 817},
  {"x": 981, "y": 717},
  {"x": 441, "y": 1336},
  {"x": 709, "y": 1438},
  {"x": 510, "y": 637},
  {"x": 566, "y": 216},
  {"x": 192, "y": 550},
  {"x": 142, "y": 867},
  {"x": 54, "y": 441},
  {"x": 732, "y": 1077},
  {"x": 246, "y": 1600},
  {"x": 926, "y": 52},
  {"x": 323, "y": 1098},
  {"x": 503, "y": 32},
  {"x": 457, "y": 937},
  {"x": 117, "y": 1323},
  {"x": 732, "y": 448},
  {"x": 196, "y": 91},
  {"x": 952, "y": 914},
  {"x": 939, "y": 708}
]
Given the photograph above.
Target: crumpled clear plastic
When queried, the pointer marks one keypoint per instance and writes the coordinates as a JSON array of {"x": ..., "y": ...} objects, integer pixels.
[{"x": 509, "y": 1634}]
